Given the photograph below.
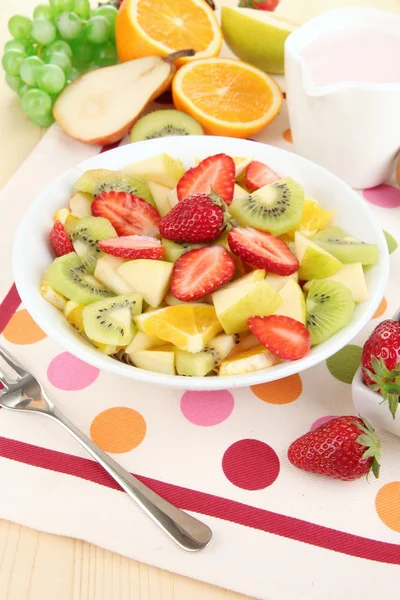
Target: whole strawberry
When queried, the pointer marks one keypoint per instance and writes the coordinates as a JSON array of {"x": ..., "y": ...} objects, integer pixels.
[
  {"x": 380, "y": 362},
  {"x": 198, "y": 218},
  {"x": 344, "y": 448},
  {"x": 260, "y": 5}
]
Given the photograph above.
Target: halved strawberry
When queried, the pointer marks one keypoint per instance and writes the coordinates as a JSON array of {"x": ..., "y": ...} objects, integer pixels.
[
  {"x": 59, "y": 239},
  {"x": 217, "y": 172},
  {"x": 263, "y": 250},
  {"x": 133, "y": 246},
  {"x": 128, "y": 214},
  {"x": 287, "y": 338},
  {"x": 200, "y": 272},
  {"x": 258, "y": 175}
]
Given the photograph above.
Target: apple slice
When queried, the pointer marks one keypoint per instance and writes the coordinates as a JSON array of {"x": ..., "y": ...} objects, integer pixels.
[
  {"x": 80, "y": 204},
  {"x": 293, "y": 301},
  {"x": 352, "y": 276},
  {"x": 162, "y": 169},
  {"x": 160, "y": 195},
  {"x": 315, "y": 262}
]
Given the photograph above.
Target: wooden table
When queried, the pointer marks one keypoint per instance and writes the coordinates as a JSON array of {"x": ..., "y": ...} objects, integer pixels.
[{"x": 38, "y": 566}]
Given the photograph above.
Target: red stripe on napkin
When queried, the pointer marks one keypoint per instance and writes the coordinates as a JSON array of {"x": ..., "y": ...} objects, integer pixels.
[
  {"x": 8, "y": 307},
  {"x": 207, "y": 504}
]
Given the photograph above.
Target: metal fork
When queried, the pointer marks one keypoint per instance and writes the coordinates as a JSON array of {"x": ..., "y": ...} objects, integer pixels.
[{"x": 24, "y": 392}]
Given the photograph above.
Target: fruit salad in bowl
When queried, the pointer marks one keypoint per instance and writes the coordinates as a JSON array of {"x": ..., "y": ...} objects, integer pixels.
[{"x": 200, "y": 263}]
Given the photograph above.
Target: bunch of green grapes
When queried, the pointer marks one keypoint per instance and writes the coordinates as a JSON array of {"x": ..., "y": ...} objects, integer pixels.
[{"x": 65, "y": 39}]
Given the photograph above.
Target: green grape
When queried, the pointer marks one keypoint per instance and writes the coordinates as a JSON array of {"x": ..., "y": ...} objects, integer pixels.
[
  {"x": 97, "y": 30},
  {"x": 28, "y": 69},
  {"x": 50, "y": 78},
  {"x": 69, "y": 25},
  {"x": 19, "y": 27},
  {"x": 43, "y": 31},
  {"x": 105, "y": 55},
  {"x": 15, "y": 45},
  {"x": 60, "y": 6},
  {"x": 22, "y": 88},
  {"x": 36, "y": 102},
  {"x": 73, "y": 74},
  {"x": 108, "y": 12},
  {"x": 82, "y": 52},
  {"x": 11, "y": 62},
  {"x": 42, "y": 11},
  {"x": 61, "y": 60},
  {"x": 13, "y": 82},
  {"x": 57, "y": 46},
  {"x": 82, "y": 8},
  {"x": 43, "y": 120}
]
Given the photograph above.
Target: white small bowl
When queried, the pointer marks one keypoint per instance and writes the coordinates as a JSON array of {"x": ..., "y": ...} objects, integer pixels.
[
  {"x": 32, "y": 253},
  {"x": 371, "y": 405}
]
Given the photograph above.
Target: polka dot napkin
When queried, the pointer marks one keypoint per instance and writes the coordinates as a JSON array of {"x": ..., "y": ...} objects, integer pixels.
[{"x": 279, "y": 533}]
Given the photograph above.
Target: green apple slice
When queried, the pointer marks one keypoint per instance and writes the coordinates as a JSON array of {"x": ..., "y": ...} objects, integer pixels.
[
  {"x": 162, "y": 169},
  {"x": 315, "y": 262},
  {"x": 352, "y": 276},
  {"x": 150, "y": 278},
  {"x": 293, "y": 302},
  {"x": 161, "y": 360}
]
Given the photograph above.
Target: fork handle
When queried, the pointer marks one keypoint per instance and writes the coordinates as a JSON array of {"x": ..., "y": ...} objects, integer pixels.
[{"x": 187, "y": 531}]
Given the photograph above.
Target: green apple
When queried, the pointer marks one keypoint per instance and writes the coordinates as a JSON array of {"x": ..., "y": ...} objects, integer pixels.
[
  {"x": 251, "y": 360},
  {"x": 235, "y": 305},
  {"x": 160, "y": 196},
  {"x": 106, "y": 272},
  {"x": 293, "y": 302},
  {"x": 162, "y": 169},
  {"x": 315, "y": 262},
  {"x": 150, "y": 278},
  {"x": 160, "y": 360},
  {"x": 256, "y": 36},
  {"x": 202, "y": 363},
  {"x": 352, "y": 276},
  {"x": 278, "y": 281}
]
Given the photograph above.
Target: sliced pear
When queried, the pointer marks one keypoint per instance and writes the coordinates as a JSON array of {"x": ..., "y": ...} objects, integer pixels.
[
  {"x": 150, "y": 278},
  {"x": 278, "y": 281},
  {"x": 162, "y": 169},
  {"x": 315, "y": 262},
  {"x": 251, "y": 360},
  {"x": 160, "y": 195},
  {"x": 293, "y": 301},
  {"x": 94, "y": 110},
  {"x": 352, "y": 276},
  {"x": 106, "y": 272},
  {"x": 80, "y": 204},
  {"x": 160, "y": 360}
]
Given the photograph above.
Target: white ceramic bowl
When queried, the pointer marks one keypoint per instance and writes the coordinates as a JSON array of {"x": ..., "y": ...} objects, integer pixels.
[{"x": 352, "y": 214}]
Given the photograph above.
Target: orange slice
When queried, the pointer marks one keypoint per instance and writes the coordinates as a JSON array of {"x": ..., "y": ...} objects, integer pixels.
[
  {"x": 227, "y": 96},
  {"x": 146, "y": 28}
]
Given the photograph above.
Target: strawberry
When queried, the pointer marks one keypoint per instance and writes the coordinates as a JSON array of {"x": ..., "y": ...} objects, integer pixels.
[
  {"x": 258, "y": 175},
  {"x": 287, "y": 338},
  {"x": 261, "y": 4},
  {"x": 380, "y": 362},
  {"x": 198, "y": 218},
  {"x": 344, "y": 448},
  {"x": 200, "y": 272},
  {"x": 133, "y": 246},
  {"x": 128, "y": 214},
  {"x": 59, "y": 239},
  {"x": 217, "y": 172},
  {"x": 263, "y": 250}
]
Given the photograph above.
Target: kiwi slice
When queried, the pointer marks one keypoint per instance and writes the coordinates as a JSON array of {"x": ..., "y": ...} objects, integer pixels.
[
  {"x": 329, "y": 306},
  {"x": 202, "y": 363},
  {"x": 164, "y": 123},
  {"x": 96, "y": 181},
  {"x": 174, "y": 250},
  {"x": 110, "y": 321},
  {"x": 346, "y": 248},
  {"x": 85, "y": 235},
  {"x": 276, "y": 207},
  {"x": 68, "y": 276}
]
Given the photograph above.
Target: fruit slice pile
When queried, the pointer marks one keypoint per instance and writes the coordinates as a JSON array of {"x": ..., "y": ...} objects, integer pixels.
[{"x": 187, "y": 272}]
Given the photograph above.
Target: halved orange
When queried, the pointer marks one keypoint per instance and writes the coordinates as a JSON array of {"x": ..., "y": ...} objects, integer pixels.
[
  {"x": 227, "y": 96},
  {"x": 148, "y": 28}
]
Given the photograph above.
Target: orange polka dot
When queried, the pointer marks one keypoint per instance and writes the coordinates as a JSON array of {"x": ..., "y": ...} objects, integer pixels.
[
  {"x": 118, "y": 429},
  {"x": 282, "y": 391},
  {"x": 22, "y": 329},
  {"x": 381, "y": 309},
  {"x": 387, "y": 505},
  {"x": 287, "y": 135}
]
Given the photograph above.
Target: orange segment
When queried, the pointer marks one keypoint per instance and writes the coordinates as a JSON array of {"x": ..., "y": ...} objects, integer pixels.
[
  {"x": 145, "y": 28},
  {"x": 227, "y": 96}
]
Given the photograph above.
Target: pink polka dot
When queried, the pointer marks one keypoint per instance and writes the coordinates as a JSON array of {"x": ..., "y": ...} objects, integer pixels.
[
  {"x": 207, "y": 408},
  {"x": 66, "y": 372},
  {"x": 383, "y": 195},
  {"x": 251, "y": 464},
  {"x": 321, "y": 421}
]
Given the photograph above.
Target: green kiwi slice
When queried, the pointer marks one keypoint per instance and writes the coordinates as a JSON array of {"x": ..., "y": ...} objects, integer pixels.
[
  {"x": 164, "y": 123},
  {"x": 346, "y": 248},
  {"x": 111, "y": 321},
  {"x": 85, "y": 235},
  {"x": 97, "y": 181},
  {"x": 276, "y": 207},
  {"x": 329, "y": 306},
  {"x": 69, "y": 277},
  {"x": 174, "y": 250}
]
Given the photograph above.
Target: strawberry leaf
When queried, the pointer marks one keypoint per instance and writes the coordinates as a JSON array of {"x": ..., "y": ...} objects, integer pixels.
[{"x": 372, "y": 445}]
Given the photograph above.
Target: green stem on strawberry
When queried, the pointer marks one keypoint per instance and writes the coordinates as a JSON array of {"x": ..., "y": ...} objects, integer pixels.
[
  {"x": 386, "y": 382},
  {"x": 228, "y": 221},
  {"x": 369, "y": 439}
]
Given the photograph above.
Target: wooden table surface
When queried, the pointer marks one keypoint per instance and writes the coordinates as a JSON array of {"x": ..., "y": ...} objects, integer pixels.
[{"x": 38, "y": 566}]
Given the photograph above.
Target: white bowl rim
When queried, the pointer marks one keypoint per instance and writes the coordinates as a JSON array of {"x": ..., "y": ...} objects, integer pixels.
[{"x": 93, "y": 357}]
